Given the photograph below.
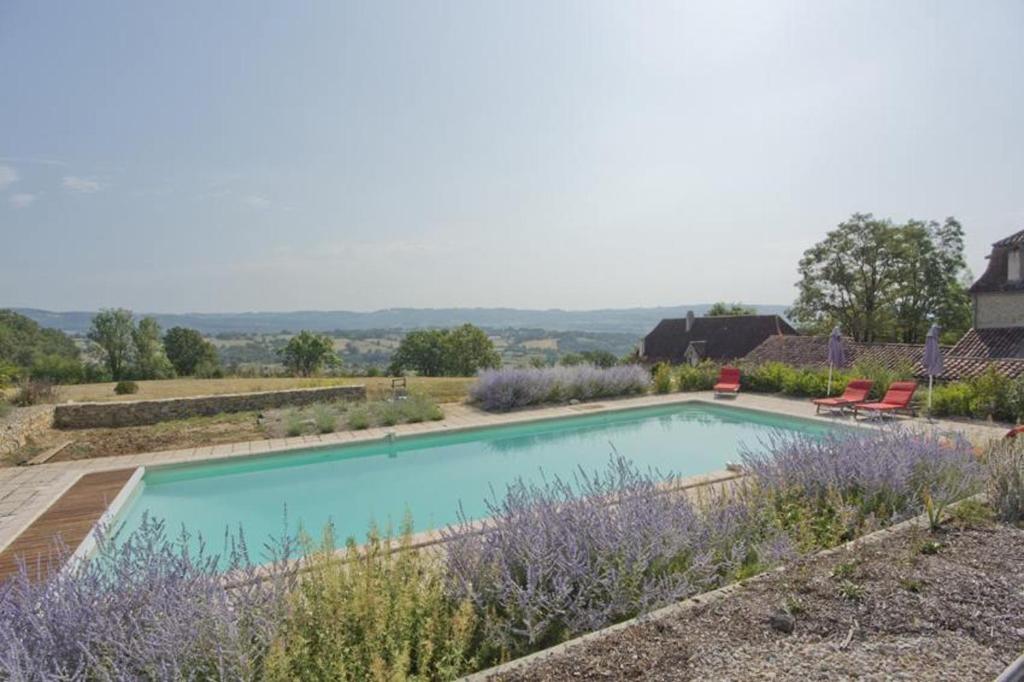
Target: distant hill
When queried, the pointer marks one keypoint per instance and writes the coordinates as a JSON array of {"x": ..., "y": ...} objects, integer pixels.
[{"x": 636, "y": 321}]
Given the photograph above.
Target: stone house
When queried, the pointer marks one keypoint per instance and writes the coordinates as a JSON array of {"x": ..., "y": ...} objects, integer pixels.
[{"x": 998, "y": 298}]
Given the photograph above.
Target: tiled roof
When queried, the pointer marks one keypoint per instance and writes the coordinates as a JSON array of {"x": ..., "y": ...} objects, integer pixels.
[
  {"x": 812, "y": 351},
  {"x": 1016, "y": 239},
  {"x": 995, "y": 277},
  {"x": 725, "y": 337},
  {"x": 1003, "y": 342}
]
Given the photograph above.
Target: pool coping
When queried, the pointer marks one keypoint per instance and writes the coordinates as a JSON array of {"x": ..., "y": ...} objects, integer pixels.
[
  {"x": 459, "y": 417},
  {"x": 436, "y": 535}
]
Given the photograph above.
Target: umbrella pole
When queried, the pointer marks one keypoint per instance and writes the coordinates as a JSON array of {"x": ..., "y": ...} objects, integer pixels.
[
  {"x": 930, "y": 379},
  {"x": 828, "y": 391}
]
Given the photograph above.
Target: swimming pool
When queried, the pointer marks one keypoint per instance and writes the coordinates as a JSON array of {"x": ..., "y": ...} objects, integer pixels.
[{"x": 431, "y": 475}]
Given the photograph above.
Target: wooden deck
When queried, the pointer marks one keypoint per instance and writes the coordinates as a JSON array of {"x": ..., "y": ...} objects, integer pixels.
[{"x": 69, "y": 519}]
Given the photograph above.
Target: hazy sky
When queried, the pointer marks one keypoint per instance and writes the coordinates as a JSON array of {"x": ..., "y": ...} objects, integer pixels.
[{"x": 227, "y": 156}]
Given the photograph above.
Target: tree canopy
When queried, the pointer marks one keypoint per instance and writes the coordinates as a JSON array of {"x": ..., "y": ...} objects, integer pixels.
[
  {"x": 189, "y": 352},
  {"x": 881, "y": 281},
  {"x": 111, "y": 330},
  {"x": 26, "y": 348},
  {"x": 307, "y": 353},
  {"x": 461, "y": 351},
  {"x": 722, "y": 309}
]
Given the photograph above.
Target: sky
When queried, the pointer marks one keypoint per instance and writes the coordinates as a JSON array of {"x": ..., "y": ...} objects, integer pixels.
[{"x": 232, "y": 156}]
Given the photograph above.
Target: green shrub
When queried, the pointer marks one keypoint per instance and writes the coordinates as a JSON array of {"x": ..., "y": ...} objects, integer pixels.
[
  {"x": 809, "y": 383},
  {"x": 991, "y": 396},
  {"x": 701, "y": 377},
  {"x": 662, "y": 378},
  {"x": 358, "y": 417},
  {"x": 293, "y": 423},
  {"x": 387, "y": 413},
  {"x": 5, "y": 408},
  {"x": 767, "y": 378},
  {"x": 381, "y": 614},
  {"x": 57, "y": 369},
  {"x": 420, "y": 408},
  {"x": 126, "y": 388},
  {"x": 325, "y": 418},
  {"x": 9, "y": 373},
  {"x": 952, "y": 400}
]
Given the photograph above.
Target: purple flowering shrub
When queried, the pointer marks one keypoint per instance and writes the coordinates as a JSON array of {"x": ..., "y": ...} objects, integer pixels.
[
  {"x": 144, "y": 608},
  {"x": 561, "y": 558},
  {"x": 505, "y": 389},
  {"x": 829, "y": 489}
]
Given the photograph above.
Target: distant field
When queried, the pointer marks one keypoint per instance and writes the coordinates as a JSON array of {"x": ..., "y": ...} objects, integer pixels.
[{"x": 441, "y": 389}]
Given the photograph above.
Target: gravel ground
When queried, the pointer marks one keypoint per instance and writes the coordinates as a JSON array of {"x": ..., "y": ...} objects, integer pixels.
[{"x": 917, "y": 606}]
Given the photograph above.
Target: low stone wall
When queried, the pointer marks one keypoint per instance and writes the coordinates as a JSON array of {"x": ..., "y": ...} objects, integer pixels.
[
  {"x": 23, "y": 423},
  {"x": 140, "y": 413}
]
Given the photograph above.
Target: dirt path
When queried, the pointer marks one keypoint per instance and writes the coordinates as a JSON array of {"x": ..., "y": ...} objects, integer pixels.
[{"x": 915, "y": 607}]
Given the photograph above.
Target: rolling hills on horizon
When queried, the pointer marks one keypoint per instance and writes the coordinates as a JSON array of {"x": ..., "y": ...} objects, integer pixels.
[{"x": 622, "y": 320}]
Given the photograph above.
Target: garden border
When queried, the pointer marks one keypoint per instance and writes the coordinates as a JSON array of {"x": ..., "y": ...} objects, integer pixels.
[{"x": 713, "y": 596}]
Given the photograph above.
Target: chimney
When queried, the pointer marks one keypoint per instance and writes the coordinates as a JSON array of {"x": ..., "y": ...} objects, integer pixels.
[{"x": 689, "y": 320}]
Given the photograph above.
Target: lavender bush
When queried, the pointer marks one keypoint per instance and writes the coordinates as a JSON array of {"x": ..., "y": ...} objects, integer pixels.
[
  {"x": 505, "y": 389},
  {"x": 843, "y": 481},
  {"x": 145, "y": 608},
  {"x": 561, "y": 558}
]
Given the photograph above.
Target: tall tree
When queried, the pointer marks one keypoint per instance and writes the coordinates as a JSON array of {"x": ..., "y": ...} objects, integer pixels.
[
  {"x": 721, "y": 309},
  {"x": 111, "y": 330},
  {"x": 307, "y": 353},
  {"x": 422, "y": 351},
  {"x": 188, "y": 351},
  {"x": 445, "y": 352},
  {"x": 150, "y": 358},
  {"x": 467, "y": 350},
  {"x": 931, "y": 265},
  {"x": 881, "y": 281}
]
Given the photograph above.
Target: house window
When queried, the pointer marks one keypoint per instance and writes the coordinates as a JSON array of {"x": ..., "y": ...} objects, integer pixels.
[{"x": 1013, "y": 266}]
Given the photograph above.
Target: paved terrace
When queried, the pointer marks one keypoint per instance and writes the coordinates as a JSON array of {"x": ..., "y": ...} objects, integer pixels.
[{"x": 27, "y": 492}]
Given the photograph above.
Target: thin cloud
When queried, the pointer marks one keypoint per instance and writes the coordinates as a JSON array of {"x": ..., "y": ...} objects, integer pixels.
[
  {"x": 7, "y": 176},
  {"x": 22, "y": 199},
  {"x": 80, "y": 185}
]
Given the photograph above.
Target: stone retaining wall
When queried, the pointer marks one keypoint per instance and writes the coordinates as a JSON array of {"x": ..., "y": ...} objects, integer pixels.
[
  {"x": 23, "y": 423},
  {"x": 139, "y": 413}
]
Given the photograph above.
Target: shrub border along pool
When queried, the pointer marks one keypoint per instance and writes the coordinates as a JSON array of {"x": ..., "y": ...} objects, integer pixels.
[
  {"x": 705, "y": 598},
  {"x": 428, "y": 538}
]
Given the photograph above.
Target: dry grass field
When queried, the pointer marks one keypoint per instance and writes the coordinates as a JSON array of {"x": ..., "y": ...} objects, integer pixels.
[{"x": 441, "y": 389}]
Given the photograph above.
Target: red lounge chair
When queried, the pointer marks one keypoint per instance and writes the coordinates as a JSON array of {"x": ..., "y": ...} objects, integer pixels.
[
  {"x": 1014, "y": 432},
  {"x": 856, "y": 392},
  {"x": 896, "y": 399},
  {"x": 728, "y": 381}
]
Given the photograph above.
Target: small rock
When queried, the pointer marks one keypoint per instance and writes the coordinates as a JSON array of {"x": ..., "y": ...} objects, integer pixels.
[
  {"x": 783, "y": 622},
  {"x": 574, "y": 401}
]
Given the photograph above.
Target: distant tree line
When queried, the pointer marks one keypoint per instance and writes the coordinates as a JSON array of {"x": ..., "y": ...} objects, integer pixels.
[{"x": 123, "y": 348}]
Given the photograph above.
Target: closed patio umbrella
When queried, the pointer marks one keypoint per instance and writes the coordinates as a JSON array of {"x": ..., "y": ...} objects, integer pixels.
[
  {"x": 836, "y": 355},
  {"x": 932, "y": 359}
]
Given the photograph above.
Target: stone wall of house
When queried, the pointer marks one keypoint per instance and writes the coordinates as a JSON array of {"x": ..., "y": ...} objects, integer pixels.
[
  {"x": 1002, "y": 309},
  {"x": 139, "y": 413},
  {"x": 21, "y": 424}
]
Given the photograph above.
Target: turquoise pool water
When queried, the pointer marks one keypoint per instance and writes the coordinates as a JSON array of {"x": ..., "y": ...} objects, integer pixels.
[{"x": 431, "y": 475}]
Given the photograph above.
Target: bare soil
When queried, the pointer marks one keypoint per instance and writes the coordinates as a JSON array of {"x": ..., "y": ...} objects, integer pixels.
[{"x": 917, "y": 606}]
